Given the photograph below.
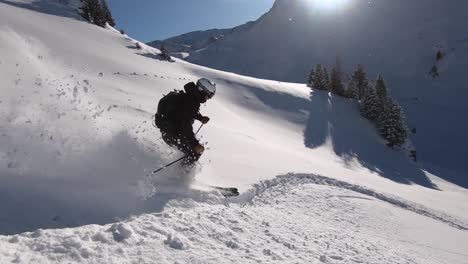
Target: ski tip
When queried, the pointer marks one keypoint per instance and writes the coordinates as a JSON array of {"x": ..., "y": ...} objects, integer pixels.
[{"x": 228, "y": 191}]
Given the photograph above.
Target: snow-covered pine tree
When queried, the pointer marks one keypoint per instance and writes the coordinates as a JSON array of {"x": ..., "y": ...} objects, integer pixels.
[
  {"x": 371, "y": 106},
  {"x": 164, "y": 53},
  {"x": 318, "y": 79},
  {"x": 359, "y": 78},
  {"x": 381, "y": 89},
  {"x": 392, "y": 124},
  {"x": 107, "y": 13}
]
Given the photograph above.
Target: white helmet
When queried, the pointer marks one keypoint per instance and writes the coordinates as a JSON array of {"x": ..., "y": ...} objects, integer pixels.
[{"x": 206, "y": 87}]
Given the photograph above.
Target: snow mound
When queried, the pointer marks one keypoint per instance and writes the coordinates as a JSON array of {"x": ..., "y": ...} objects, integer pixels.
[
  {"x": 295, "y": 179},
  {"x": 296, "y": 220},
  {"x": 176, "y": 242},
  {"x": 121, "y": 231}
]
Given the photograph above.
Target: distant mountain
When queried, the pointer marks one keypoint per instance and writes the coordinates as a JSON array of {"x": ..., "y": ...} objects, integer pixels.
[
  {"x": 190, "y": 42},
  {"x": 196, "y": 41},
  {"x": 399, "y": 39}
]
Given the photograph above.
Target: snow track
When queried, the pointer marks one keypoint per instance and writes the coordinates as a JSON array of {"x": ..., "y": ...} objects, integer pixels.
[
  {"x": 321, "y": 180},
  {"x": 291, "y": 219}
]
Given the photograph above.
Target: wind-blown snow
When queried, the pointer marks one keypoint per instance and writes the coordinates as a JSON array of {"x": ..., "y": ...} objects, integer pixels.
[{"x": 77, "y": 146}]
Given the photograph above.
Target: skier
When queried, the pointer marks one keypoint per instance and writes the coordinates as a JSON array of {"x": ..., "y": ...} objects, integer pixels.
[{"x": 176, "y": 114}]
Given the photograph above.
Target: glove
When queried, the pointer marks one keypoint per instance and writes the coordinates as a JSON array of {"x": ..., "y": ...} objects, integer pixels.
[
  {"x": 198, "y": 149},
  {"x": 205, "y": 119}
]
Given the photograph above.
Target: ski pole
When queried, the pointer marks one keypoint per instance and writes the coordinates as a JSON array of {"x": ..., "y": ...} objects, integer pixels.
[
  {"x": 167, "y": 165},
  {"x": 199, "y": 129}
]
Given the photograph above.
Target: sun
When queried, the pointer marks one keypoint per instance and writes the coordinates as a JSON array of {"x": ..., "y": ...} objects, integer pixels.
[{"x": 328, "y": 5}]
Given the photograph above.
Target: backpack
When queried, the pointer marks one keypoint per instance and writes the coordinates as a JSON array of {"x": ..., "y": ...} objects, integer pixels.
[{"x": 166, "y": 106}]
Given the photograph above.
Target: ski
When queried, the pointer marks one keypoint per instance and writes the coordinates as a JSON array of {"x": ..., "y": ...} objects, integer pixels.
[{"x": 227, "y": 191}]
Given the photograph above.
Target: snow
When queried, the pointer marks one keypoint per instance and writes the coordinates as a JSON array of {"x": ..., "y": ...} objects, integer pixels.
[
  {"x": 77, "y": 147},
  {"x": 121, "y": 231},
  {"x": 398, "y": 39},
  {"x": 336, "y": 225}
]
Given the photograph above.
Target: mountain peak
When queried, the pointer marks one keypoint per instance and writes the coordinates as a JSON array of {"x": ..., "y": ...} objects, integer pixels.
[
  {"x": 286, "y": 4},
  {"x": 280, "y": 3}
]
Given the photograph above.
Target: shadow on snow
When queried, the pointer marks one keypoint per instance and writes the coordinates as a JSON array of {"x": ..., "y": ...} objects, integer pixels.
[
  {"x": 356, "y": 139},
  {"x": 353, "y": 137},
  {"x": 154, "y": 56}
]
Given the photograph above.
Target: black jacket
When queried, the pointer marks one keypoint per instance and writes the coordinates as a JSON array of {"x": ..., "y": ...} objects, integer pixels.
[{"x": 178, "y": 110}]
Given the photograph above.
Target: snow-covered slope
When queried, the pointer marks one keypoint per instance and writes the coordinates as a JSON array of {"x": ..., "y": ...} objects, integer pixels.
[
  {"x": 336, "y": 226},
  {"x": 398, "y": 39},
  {"x": 77, "y": 143}
]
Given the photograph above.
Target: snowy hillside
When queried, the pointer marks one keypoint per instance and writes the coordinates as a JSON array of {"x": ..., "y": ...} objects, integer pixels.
[
  {"x": 77, "y": 146},
  {"x": 398, "y": 39}
]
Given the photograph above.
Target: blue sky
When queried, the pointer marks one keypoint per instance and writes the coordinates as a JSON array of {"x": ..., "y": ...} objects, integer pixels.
[{"x": 148, "y": 20}]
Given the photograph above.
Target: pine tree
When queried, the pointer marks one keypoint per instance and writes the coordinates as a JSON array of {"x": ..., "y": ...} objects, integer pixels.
[
  {"x": 371, "y": 106},
  {"x": 85, "y": 10},
  {"x": 91, "y": 10},
  {"x": 318, "y": 78},
  {"x": 310, "y": 79},
  {"x": 107, "y": 15},
  {"x": 392, "y": 124},
  {"x": 352, "y": 89},
  {"x": 359, "y": 78},
  {"x": 381, "y": 89},
  {"x": 99, "y": 18},
  {"x": 336, "y": 85},
  {"x": 327, "y": 77},
  {"x": 165, "y": 53}
]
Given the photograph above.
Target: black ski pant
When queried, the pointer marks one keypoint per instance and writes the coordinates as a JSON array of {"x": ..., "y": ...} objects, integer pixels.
[{"x": 184, "y": 143}]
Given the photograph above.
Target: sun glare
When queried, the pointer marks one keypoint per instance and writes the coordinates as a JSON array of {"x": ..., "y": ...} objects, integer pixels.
[{"x": 328, "y": 5}]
